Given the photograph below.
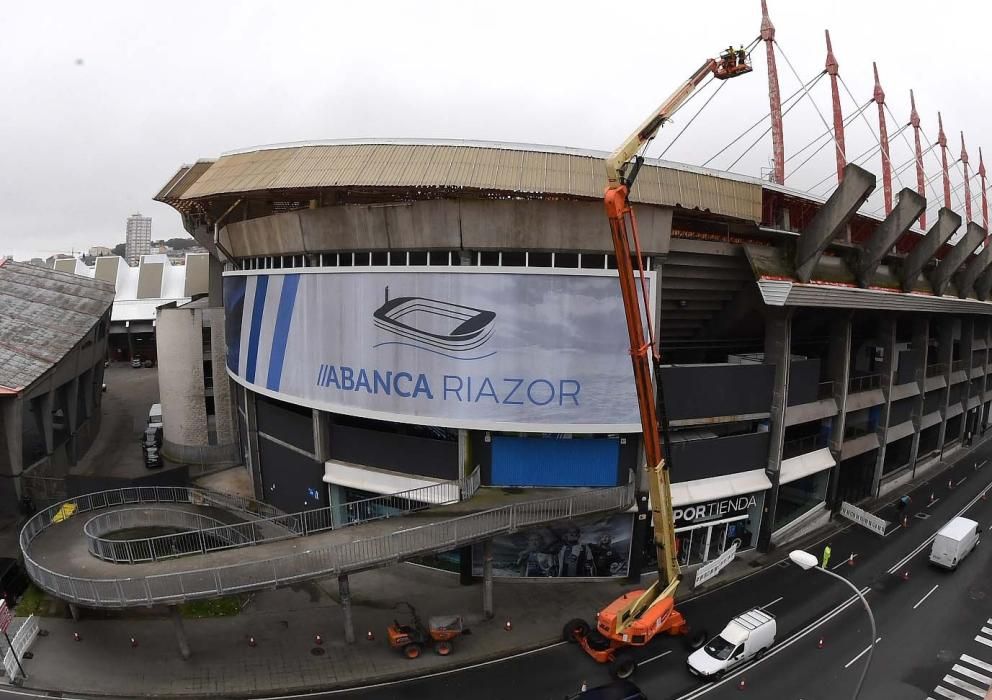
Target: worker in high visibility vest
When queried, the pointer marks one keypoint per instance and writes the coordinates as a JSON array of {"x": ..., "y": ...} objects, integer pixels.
[{"x": 826, "y": 556}]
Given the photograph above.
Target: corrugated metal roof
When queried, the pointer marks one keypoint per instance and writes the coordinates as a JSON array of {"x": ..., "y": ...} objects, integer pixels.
[
  {"x": 786, "y": 293},
  {"x": 44, "y": 313},
  {"x": 449, "y": 166}
]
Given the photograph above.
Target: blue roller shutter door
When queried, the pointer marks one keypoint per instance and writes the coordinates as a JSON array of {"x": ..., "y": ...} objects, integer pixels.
[{"x": 547, "y": 462}]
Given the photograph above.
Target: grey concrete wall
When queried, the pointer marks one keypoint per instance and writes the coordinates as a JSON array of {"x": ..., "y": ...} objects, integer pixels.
[
  {"x": 180, "y": 377},
  {"x": 443, "y": 224},
  {"x": 224, "y": 421}
]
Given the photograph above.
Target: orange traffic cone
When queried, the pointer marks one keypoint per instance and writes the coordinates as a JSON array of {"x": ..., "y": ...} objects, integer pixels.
[
  {"x": 905, "y": 575},
  {"x": 75, "y": 636},
  {"x": 950, "y": 484},
  {"x": 741, "y": 685},
  {"x": 134, "y": 642},
  {"x": 819, "y": 644},
  {"x": 370, "y": 636},
  {"x": 251, "y": 641},
  {"x": 850, "y": 560},
  {"x": 508, "y": 626},
  {"x": 317, "y": 640}
]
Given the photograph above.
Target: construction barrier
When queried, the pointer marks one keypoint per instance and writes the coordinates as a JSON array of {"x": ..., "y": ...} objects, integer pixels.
[{"x": 19, "y": 645}]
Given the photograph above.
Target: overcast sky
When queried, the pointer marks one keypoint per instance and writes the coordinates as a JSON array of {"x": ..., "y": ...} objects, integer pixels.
[{"x": 103, "y": 101}]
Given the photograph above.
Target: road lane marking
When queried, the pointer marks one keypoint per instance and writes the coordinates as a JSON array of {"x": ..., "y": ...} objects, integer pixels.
[
  {"x": 986, "y": 630},
  {"x": 977, "y": 663},
  {"x": 964, "y": 685},
  {"x": 654, "y": 658},
  {"x": 950, "y": 694},
  {"x": 892, "y": 530},
  {"x": 768, "y": 605},
  {"x": 974, "y": 675},
  {"x": 847, "y": 561},
  {"x": 865, "y": 651},
  {"x": 699, "y": 692},
  {"x": 930, "y": 539},
  {"x": 932, "y": 502},
  {"x": 920, "y": 602},
  {"x": 982, "y": 640},
  {"x": 960, "y": 482}
]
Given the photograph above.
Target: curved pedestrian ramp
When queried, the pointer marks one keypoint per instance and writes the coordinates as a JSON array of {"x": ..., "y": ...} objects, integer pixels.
[{"x": 218, "y": 545}]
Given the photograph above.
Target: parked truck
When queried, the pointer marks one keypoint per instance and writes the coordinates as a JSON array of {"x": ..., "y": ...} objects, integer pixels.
[{"x": 746, "y": 637}]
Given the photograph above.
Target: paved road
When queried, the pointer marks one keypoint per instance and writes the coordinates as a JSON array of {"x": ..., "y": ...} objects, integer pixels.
[{"x": 918, "y": 647}]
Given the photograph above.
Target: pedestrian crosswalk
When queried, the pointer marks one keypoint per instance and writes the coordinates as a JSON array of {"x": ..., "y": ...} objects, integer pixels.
[{"x": 970, "y": 677}]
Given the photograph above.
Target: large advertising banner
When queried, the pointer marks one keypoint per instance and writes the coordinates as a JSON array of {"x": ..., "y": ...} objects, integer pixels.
[
  {"x": 594, "y": 546},
  {"x": 478, "y": 349}
]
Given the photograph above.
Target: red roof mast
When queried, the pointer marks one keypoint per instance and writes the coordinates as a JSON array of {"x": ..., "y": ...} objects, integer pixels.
[
  {"x": 967, "y": 182},
  {"x": 883, "y": 139},
  {"x": 942, "y": 142},
  {"x": 831, "y": 68},
  {"x": 921, "y": 180},
  {"x": 774, "y": 96}
]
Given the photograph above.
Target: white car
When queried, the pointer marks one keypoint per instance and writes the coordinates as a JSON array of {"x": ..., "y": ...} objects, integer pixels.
[{"x": 747, "y": 636}]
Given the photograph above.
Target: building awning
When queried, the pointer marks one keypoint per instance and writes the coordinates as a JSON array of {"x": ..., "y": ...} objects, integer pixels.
[
  {"x": 973, "y": 401},
  {"x": 899, "y": 431},
  {"x": 930, "y": 419},
  {"x": 904, "y": 391},
  {"x": 954, "y": 409},
  {"x": 716, "y": 487},
  {"x": 385, "y": 482},
  {"x": 796, "y": 468}
]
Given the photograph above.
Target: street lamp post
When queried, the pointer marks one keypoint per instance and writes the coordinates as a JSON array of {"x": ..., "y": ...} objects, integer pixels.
[{"x": 807, "y": 561}]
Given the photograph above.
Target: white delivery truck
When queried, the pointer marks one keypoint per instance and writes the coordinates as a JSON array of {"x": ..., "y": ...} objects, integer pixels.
[
  {"x": 954, "y": 542},
  {"x": 746, "y": 636}
]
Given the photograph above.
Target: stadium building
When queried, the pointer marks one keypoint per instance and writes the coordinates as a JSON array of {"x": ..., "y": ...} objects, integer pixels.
[{"x": 398, "y": 313}]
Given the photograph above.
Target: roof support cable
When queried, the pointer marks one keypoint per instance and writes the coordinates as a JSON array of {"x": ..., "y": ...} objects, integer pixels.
[
  {"x": 930, "y": 147},
  {"x": 812, "y": 101},
  {"x": 750, "y": 48},
  {"x": 759, "y": 122},
  {"x": 813, "y": 154},
  {"x": 765, "y": 132},
  {"x": 912, "y": 149},
  {"x": 868, "y": 124},
  {"x": 847, "y": 122}
]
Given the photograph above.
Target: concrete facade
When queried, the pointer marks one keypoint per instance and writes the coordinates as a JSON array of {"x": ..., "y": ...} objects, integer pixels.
[{"x": 198, "y": 420}]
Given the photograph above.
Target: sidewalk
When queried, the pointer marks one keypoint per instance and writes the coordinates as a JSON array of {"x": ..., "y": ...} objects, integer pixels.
[{"x": 284, "y": 622}]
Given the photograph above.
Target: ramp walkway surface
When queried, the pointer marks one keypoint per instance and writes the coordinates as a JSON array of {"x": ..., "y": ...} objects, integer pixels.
[{"x": 75, "y": 549}]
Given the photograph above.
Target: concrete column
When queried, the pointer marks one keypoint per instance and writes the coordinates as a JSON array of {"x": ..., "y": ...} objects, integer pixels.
[
  {"x": 177, "y": 625},
  {"x": 43, "y": 416},
  {"x": 74, "y": 611},
  {"x": 887, "y": 340},
  {"x": 344, "y": 589},
  {"x": 321, "y": 435},
  {"x": 215, "y": 284},
  {"x": 967, "y": 342},
  {"x": 254, "y": 461},
  {"x": 839, "y": 370},
  {"x": 11, "y": 436},
  {"x": 778, "y": 351},
  {"x": 487, "y": 579},
  {"x": 921, "y": 336},
  {"x": 465, "y": 465},
  {"x": 945, "y": 353},
  {"x": 982, "y": 331},
  {"x": 88, "y": 387},
  {"x": 130, "y": 340},
  {"x": 71, "y": 405}
]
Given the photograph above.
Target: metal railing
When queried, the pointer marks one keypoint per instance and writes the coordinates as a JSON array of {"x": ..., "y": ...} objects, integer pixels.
[
  {"x": 199, "y": 538},
  {"x": 320, "y": 562},
  {"x": 864, "y": 383},
  {"x": 194, "y": 540},
  {"x": 937, "y": 369},
  {"x": 800, "y": 446}
]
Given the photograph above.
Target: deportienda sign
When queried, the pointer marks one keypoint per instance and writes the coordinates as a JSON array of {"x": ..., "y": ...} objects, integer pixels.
[
  {"x": 482, "y": 348},
  {"x": 713, "y": 510}
]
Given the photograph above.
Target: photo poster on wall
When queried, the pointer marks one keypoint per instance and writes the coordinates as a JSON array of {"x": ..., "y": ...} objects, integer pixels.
[{"x": 593, "y": 546}]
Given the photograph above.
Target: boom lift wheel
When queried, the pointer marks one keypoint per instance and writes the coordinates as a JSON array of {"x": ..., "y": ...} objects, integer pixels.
[
  {"x": 575, "y": 630},
  {"x": 412, "y": 651},
  {"x": 443, "y": 648},
  {"x": 623, "y": 665}
]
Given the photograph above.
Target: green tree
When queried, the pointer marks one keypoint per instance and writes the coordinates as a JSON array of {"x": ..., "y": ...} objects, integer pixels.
[{"x": 119, "y": 249}]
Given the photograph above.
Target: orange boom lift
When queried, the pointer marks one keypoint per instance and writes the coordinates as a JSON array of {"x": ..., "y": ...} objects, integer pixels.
[{"x": 636, "y": 617}]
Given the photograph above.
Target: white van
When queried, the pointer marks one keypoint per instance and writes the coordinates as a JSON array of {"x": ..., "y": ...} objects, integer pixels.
[
  {"x": 746, "y": 636},
  {"x": 954, "y": 542},
  {"x": 155, "y": 416}
]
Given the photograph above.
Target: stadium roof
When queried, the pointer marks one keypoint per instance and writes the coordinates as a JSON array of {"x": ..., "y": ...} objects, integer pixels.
[
  {"x": 453, "y": 166},
  {"x": 43, "y": 315}
]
